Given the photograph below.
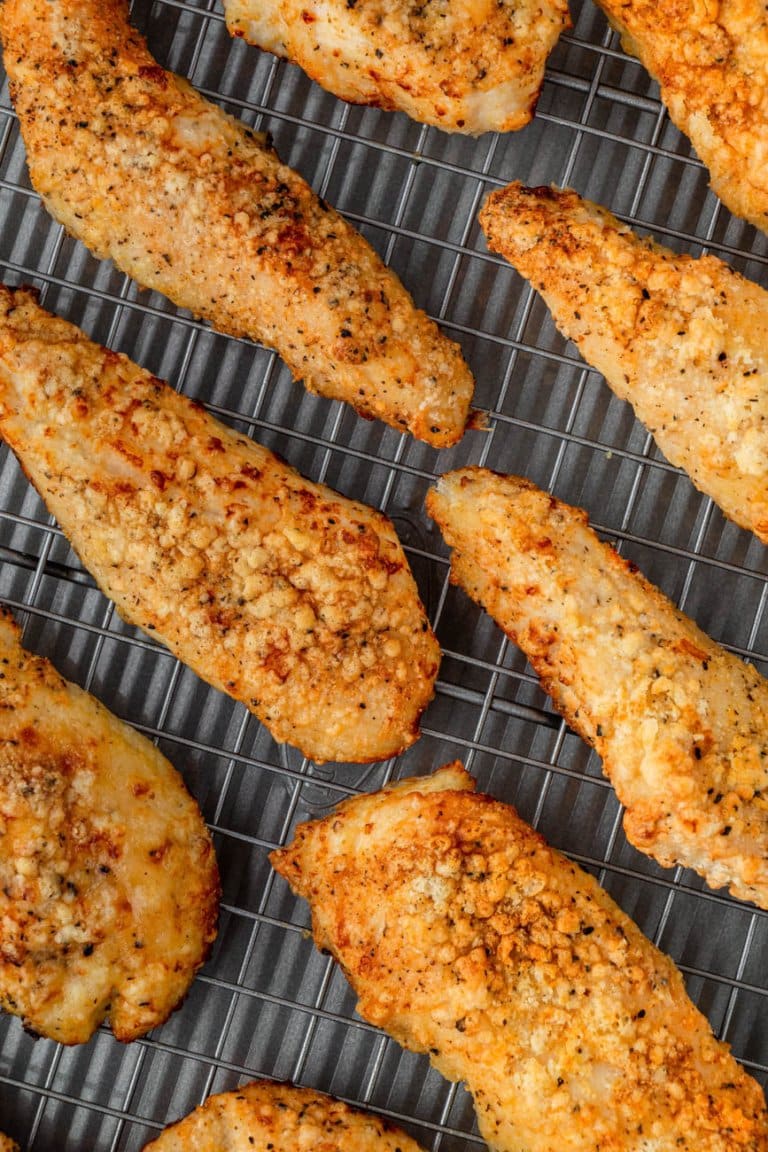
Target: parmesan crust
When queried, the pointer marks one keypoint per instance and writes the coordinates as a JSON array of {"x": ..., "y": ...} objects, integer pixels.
[
  {"x": 269, "y": 1117},
  {"x": 472, "y": 67},
  {"x": 684, "y": 340},
  {"x": 466, "y": 937},
  {"x": 710, "y": 60},
  {"x": 191, "y": 203},
  {"x": 108, "y": 882},
  {"x": 681, "y": 724},
  {"x": 289, "y": 597}
]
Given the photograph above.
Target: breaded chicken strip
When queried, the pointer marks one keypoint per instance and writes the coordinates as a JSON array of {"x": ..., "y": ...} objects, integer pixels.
[
  {"x": 7, "y": 1145},
  {"x": 475, "y": 66},
  {"x": 108, "y": 881},
  {"x": 684, "y": 340},
  {"x": 268, "y": 1117},
  {"x": 466, "y": 937},
  {"x": 710, "y": 58},
  {"x": 291, "y": 598},
  {"x": 681, "y": 725},
  {"x": 190, "y": 202}
]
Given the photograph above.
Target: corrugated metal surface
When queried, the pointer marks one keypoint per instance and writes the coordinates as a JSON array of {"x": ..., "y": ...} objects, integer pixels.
[{"x": 267, "y": 1003}]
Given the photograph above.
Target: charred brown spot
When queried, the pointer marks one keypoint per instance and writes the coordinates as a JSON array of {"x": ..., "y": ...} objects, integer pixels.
[
  {"x": 155, "y": 74},
  {"x": 294, "y": 240},
  {"x": 278, "y": 664},
  {"x": 133, "y": 457},
  {"x": 688, "y": 648}
]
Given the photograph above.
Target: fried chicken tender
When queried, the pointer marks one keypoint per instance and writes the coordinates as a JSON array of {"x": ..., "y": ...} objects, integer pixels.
[
  {"x": 108, "y": 882},
  {"x": 269, "y": 1117},
  {"x": 472, "y": 67},
  {"x": 289, "y": 597},
  {"x": 681, "y": 724},
  {"x": 7, "y": 1145},
  {"x": 466, "y": 937},
  {"x": 684, "y": 340},
  {"x": 189, "y": 202},
  {"x": 709, "y": 58}
]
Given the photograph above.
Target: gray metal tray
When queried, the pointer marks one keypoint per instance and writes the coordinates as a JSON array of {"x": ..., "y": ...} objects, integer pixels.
[{"x": 267, "y": 1003}]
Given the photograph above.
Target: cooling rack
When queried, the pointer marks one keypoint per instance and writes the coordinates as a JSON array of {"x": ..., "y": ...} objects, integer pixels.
[{"x": 267, "y": 1003}]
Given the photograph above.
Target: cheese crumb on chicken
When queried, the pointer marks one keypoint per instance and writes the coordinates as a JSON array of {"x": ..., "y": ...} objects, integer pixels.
[
  {"x": 710, "y": 58},
  {"x": 681, "y": 724},
  {"x": 108, "y": 881},
  {"x": 190, "y": 202},
  {"x": 684, "y": 340},
  {"x": 466, "y": 937},
  {"x": 269, "y": 1117},
  {"x": 471, "y": 67},
  {"x": 289, "y": 597}
]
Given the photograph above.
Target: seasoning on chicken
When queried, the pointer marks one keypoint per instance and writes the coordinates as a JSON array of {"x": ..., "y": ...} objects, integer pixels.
[
  {"x": 269, "y": 1117},
  {"x": 466, "y": 937},
  {"x": 108, "y": 882},
  {"x": 684, "y": 340},
  {"x": 681, "y": 724},
  {"x": 710, "y": 59},
  {"x": 289, "y": 597},
  {"x": 190, "y": 202},
  {"x": 472, "y": 67}
]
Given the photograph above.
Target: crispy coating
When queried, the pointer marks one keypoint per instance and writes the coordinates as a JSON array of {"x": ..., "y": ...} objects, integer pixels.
[
  {"x": 472, "y": 67},
  {"x": 7, "y": 1145},
  {"x": 709, "y": 57},
  {"x": 681, "y": 724},
  {"x": 190, "y": 202},
  {"x": 291, "y": 598},
  {"x": 684, "y": 340},
  {"x": 108, "y": 881},
  {"x": 466, "y": 937},
  {"x": 269, "y": 1117}
]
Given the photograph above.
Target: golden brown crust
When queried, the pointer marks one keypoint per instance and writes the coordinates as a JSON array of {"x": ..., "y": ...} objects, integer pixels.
[
  {"x": 684, "y": 340},
  {"x": 269, "y": 1117},
  {"x": 190, "y": 202},
  {"x": 471, "y": 67},
  {"x": 709, "y": 57},
  {"x": 681, "y": 725},
  {"x": 108, "y": 881},
  {"x": 8, "y": 1145},
  {"x": 282, "y": 593},
  {"x": 465, "y": 936}
]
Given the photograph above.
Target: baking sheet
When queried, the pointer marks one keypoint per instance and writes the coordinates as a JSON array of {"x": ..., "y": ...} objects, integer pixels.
[{"x": 267, "y": 1003}]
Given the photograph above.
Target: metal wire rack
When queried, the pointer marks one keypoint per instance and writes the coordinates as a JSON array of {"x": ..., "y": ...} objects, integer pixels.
[{"x": 267, "y": 1003}]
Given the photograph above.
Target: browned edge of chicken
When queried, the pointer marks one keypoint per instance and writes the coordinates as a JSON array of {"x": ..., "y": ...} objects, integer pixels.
[
  {"x": 265, "y": 1116},
  {"x": 109, "y": 889},
  {"x": 286, "y": 595},
  {"x": 190, "y": 202},
  {"x": 466, "y": 937},
  {"x": 474, "y": 67},
  {"x": 680, "y": 723},
  {"x": 683, "y": 339}
]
